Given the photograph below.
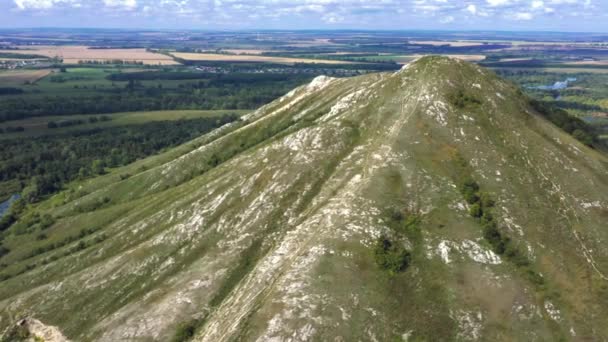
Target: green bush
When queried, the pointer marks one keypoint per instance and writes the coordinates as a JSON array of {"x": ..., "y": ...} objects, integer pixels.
[
  {"x": 475, "y": 210},
  {"x": 390, "y": 257},
  {"x": 185, "y": 331},
  {"x": 460, "y": 99},
  {"x": 469, "y": 189},
  {"x": 485, "y": 200}
]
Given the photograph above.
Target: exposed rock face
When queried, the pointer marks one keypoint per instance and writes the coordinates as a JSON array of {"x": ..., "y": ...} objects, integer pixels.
[
  {"x": 32, "y": 330},
  {"x": 265, "y": 230}
]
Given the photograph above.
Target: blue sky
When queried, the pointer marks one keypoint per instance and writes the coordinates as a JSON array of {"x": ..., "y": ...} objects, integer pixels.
[{"x": 555, "y": 15}]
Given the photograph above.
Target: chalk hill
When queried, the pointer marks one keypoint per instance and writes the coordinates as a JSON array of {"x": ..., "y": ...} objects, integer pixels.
[{"x": 428, "y": 204}]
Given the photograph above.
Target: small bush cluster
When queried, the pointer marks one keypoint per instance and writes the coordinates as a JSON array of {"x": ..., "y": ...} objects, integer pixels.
[
  {"x": 185, "y": 331},
  {"x": 92, "y": 206},
  {"x": 481, "y": 205},
  {"x": 82, "y": 234},
  {"x": 391, "y": 257},
  {"x": 78, "y": 247},
  {"x": 76, "y": 122},
  {"x": 29, "y": 223},
  {"x": 460, "y": 99}
]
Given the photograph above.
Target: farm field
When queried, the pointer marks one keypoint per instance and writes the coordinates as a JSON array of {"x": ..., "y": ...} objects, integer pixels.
[
  {"x": 38, "y": 126},
  {"x": 566, "y": 70},
  {"x": 252, "y": 58},
  {"x": 76, "y": 81},
  {"x": 16, "y": 78},
  {"x": 404, "y": 59},
  {"x": 247, "y": 51},
  {"x": 75, "y": 54},
  {"x": 452, "y": 43}
]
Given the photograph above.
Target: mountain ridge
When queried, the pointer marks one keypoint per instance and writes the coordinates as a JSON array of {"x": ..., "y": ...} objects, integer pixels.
[{"x": 267, "y": 228}]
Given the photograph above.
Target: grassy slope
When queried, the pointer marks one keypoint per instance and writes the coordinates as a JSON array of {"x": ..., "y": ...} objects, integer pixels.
[{"x": 264, "y": 228}]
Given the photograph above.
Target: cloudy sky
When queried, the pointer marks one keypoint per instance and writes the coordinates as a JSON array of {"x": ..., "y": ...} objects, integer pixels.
[{"x": 556, "y": 15}]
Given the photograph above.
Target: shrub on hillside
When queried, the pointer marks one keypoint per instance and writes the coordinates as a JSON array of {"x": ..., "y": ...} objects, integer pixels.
[
  {"x": 460, "y": 99},
  {"x": 391, "y": 257},
  {"x": 185, "y": 331}
]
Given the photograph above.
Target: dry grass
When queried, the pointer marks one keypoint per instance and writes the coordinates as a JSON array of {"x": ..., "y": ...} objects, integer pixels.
[
  {"x": 74, "y": 54},
  {"x": 20, "y": 77},
  {"x": 249, "y": 58}
]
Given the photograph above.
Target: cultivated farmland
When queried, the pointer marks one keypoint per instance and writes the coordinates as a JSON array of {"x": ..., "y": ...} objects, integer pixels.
[
  {"x": 15, "y": 78},
  {"x": 250, "y": 58},
  {"x": 75, "y": 54}
]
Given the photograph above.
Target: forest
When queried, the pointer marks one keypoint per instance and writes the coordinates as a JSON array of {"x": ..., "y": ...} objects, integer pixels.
[
  {"x": 150, "y": 90},
  {"x": 42, "y": 165}
]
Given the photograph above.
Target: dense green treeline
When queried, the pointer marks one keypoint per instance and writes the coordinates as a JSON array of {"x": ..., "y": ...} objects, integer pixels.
[
  {"x": 21, "y": 55},
  {"x": 215, "y": 91},
  {"x": 44, "y": 164},
  {"x": 572, "y": 125}
]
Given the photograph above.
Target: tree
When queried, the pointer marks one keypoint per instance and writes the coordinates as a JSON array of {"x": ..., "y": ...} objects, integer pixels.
[
  {"x": 583, "y": 137},
  {"x": 469, "y": 189},
  {"x": 31, "y": 192},
  {"x": 476, "y": 210},
  {"x": 97, "y": 167},
  {"x": 390, "y": 257}
]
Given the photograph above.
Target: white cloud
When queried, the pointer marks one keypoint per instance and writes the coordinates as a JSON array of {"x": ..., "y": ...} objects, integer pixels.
[
  {"x": 472, "y": 9},
  {"x": 351, "y": 13},
  {"x": 129, "y": 4},
  {"x": 523, "y": 16},
  {"x": 537, "y": 4},
  {"x": 498, "y": 3},
  {"x": 43, "y": 4},
  {"x": 447, "y": 20}
]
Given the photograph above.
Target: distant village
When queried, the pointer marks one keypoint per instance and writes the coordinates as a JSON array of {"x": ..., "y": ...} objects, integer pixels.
[{"x": 23, "y": 63}]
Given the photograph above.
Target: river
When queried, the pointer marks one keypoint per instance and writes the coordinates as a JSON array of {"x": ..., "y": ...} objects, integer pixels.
[{"x": 4, "y": 206}]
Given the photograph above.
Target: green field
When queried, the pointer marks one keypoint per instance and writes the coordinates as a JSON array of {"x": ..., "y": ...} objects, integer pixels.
[
  {"x": 77, "y": 81},
  {"x": 38, "y": 126}
]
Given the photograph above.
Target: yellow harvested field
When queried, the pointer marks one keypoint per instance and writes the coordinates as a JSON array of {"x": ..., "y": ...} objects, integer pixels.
[
  {"x": 74, "y": 54},
  {"x": 454, "y": 43},
  {"x": 247, "y": 58},
  {"x": 20, "y": 77},
  {"x": 245, "y": 51}
]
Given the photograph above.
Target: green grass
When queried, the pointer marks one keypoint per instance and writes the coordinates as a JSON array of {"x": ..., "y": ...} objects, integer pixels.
[
  {"x": 79, "y": 81},
  {"x": 37, "y": 126}
]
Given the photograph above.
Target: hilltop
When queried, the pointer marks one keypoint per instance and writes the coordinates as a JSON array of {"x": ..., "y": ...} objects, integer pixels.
[{"x": 432, "y": 203}]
